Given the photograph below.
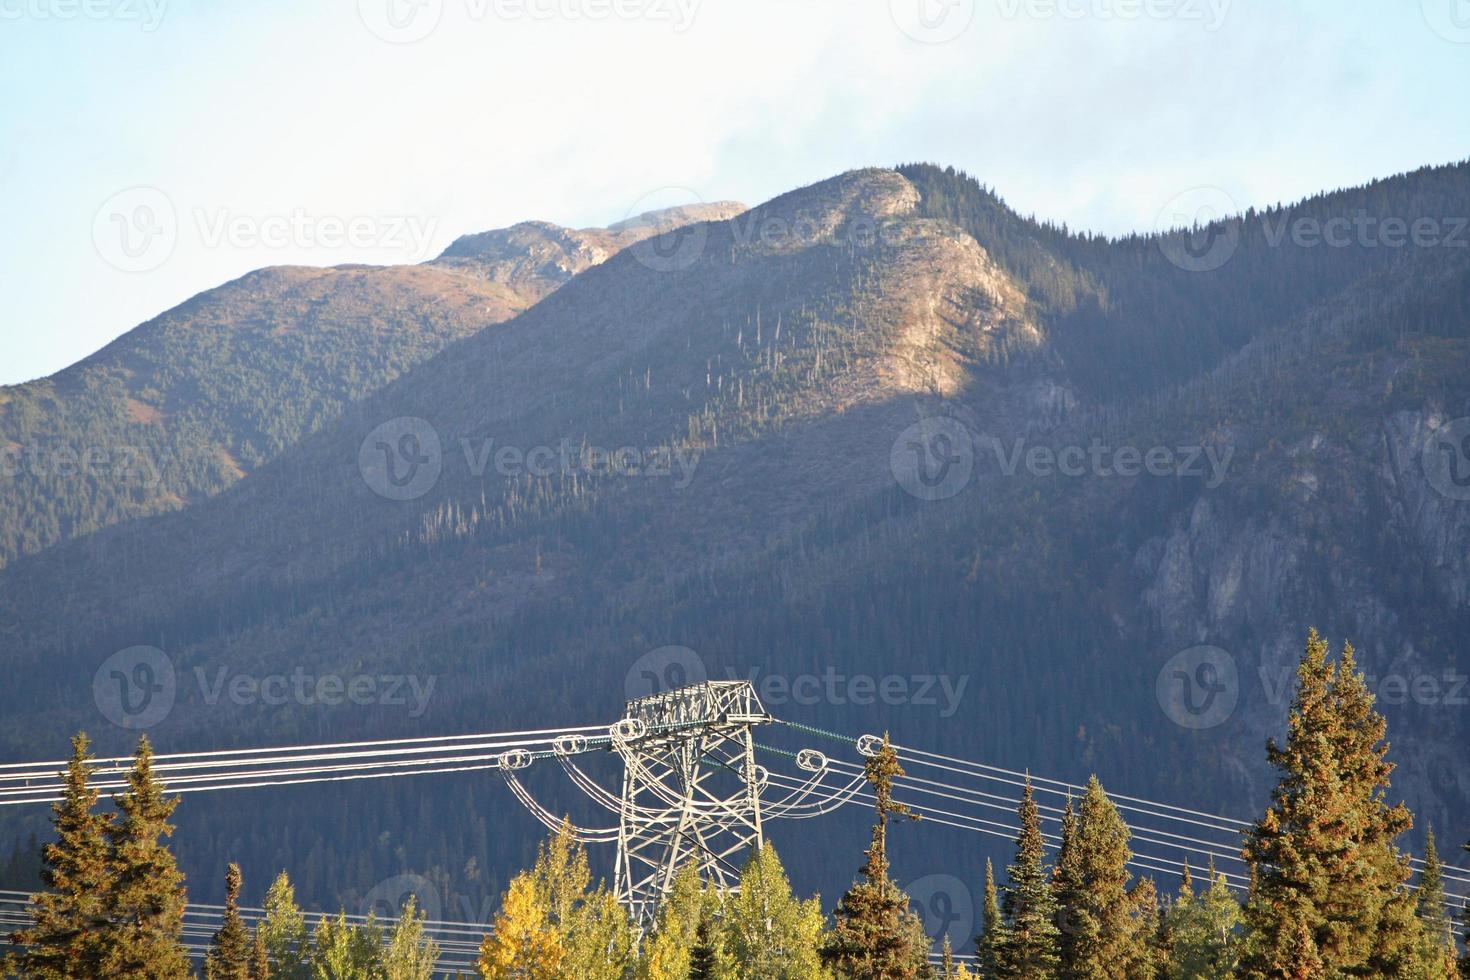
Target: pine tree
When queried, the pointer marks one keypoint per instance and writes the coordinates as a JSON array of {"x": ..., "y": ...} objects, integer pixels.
[
  {"x": 946, "y": 960},
  {"x": 145, "y": 906},
  {"x": 769, "y": 932},
  {"x": 1107, "y": 926},
  {"x": 66, "y": 935},
  {"x": 1029, "y": 951},
  {"x": 260, "y": 963},
  {"x": 229, "y": 954},
  {"x": 1435, "y": 955},
  {"x": 992, "y": 938},
  {"x": 705, "y": 958},
  {"x": 874, "y": 937},
  {"x": 1323, "y": 856},
  {"x": 523, "y": 944},
  {"x": 410, "y": 955},
  {"x": 283, "y": 933}
]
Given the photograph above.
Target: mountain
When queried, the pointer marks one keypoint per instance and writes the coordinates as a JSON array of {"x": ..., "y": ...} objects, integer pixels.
[
  {"x": 184, "y": 405},
  {"x": 878, "y": 428}
]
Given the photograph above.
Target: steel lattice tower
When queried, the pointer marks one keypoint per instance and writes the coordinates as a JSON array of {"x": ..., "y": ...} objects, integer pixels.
[{"x": 691, "y": 789}]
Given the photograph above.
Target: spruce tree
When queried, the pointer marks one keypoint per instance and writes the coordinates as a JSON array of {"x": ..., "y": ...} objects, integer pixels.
[
  {"x": 946, "y": 960},
  {"x": 1323, "y": 857},
  {"x": 992, "y": 938},
  {"x": 260, "y": 962},
  {"x": 145, "y": 906},
  {"x": 1435, "y": 956},
  {"x": 1107, "y": 925},
  {"x": 66, "y": 937},
  {"x": 1029, "y": 951},
  {"x": 875, "y": 933},
  {"x": 229, "y": 953}
]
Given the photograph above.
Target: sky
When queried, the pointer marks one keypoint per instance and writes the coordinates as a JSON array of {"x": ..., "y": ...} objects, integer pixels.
[{"x": 151, "y": 149}]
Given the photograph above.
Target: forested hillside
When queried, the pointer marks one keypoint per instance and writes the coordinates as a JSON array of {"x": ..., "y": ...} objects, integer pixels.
[{"x": 767, "y": 383}]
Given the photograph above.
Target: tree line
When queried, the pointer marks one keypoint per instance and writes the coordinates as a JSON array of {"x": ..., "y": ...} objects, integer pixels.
[{"x": 1328, "y": 898}]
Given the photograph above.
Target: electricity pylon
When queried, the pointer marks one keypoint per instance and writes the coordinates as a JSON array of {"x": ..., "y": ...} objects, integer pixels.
[{"x": 691, "y": 792}]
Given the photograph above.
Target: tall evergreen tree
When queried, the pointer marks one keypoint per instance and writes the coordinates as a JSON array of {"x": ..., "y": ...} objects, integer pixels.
[
  {"x": 229, "y": 953},
  {"x": 1029, "y": 951},
  {"x": 706, "y": 958},
  {"x": 66, "y": 937},
  {"x": 284, "y": 934},
  {"x": 260, "y": 961},
  {"x": 1107, "y": 925},
  {"x": 992, "y": 938},
  {"x": 875, "y": 934},
  {"x": 768, "y": 932},
  {"x": 145, "y": 906},
  {"x": 1435, "y": 956},
  {"x": 1323, "y": 856}
]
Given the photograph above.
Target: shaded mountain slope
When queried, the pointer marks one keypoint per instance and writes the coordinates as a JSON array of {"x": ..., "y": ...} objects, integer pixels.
[
  {"x": 181, "y": 407},
  {"x": 786, "y": 369}
]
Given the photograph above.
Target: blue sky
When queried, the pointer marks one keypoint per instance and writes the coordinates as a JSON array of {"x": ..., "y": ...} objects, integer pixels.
[{"x": 150, "y": 149}]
